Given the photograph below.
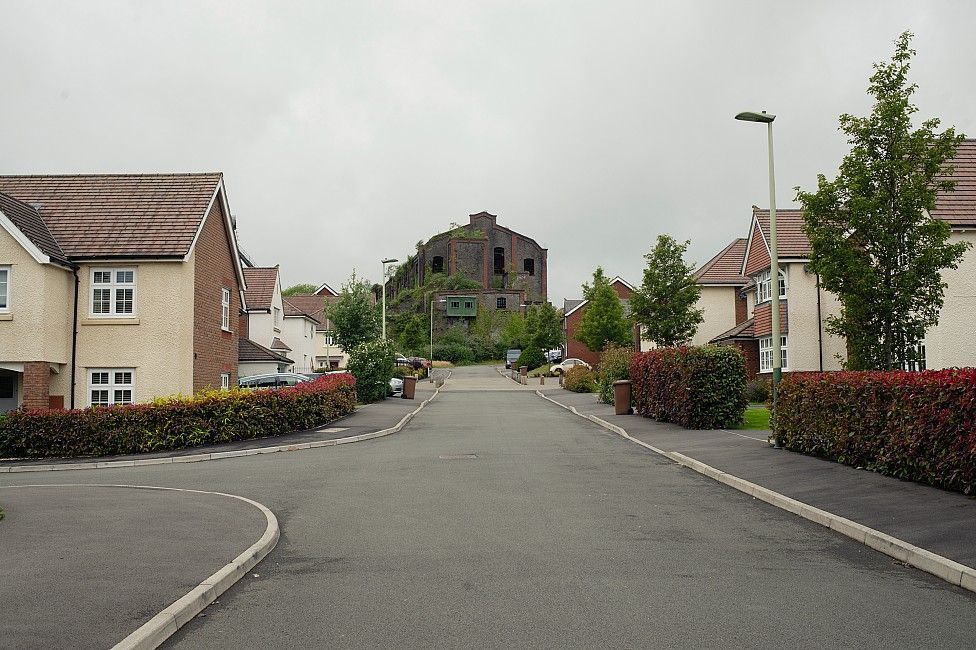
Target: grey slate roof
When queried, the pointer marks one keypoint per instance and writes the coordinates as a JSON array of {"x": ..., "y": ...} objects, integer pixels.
[
  {"x": 248, "y": 350},
  {"x": 27, "y": 219}
]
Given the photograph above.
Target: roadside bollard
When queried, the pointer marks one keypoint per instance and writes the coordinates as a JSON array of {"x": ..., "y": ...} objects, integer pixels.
[
  {"x": 621, "y": 397},
  {"x": 524, "y": 374},
  {"x": 560, "y": 379},
  {"x": 542, "y": 380}
]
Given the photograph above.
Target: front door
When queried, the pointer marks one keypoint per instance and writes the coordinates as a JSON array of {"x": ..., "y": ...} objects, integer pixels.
[{"x": 8, "y": 390}]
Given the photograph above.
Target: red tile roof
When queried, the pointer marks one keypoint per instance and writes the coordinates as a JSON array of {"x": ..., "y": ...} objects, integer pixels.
[
  {"x": 261, "y": 283},
  {"x": 312, "y": 305},
  {"x": 293, "y": 308},
  {"x": 119, "y": 215},
  {"x": 248, "y": 350},
  {"x": 278, "y": 344},
  {"x": 27, "y": 220},
  {"x": 791, "y": 241},
  {"x": 959, "y": 207},
  {"x": 726, "y": 267}
]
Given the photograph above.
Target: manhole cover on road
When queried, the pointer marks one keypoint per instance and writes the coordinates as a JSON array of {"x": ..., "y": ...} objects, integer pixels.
[{"x": 457, "y": 457}]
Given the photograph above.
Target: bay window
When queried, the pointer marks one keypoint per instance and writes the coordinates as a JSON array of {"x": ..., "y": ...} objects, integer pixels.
[
  {"x": 763, "y": 289},
  {"x": 766, "y": 354}
]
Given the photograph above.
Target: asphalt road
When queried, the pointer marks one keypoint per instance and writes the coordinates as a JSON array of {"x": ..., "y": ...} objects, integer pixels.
[{"x": 496, "y": 519}]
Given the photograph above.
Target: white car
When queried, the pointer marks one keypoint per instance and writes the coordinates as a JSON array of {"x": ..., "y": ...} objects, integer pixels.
[{"x": 566, "y": 364}]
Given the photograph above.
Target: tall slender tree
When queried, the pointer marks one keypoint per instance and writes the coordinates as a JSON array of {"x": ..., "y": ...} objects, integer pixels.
[
  {"x": 664, "y": 304},
  {"x": 354, "y": 316},
  {"x": 873, "y": 241},
  {"x": 603, "y": 321}
]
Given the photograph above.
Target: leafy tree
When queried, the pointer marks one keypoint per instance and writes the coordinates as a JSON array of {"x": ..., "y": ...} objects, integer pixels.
[
  {"x": 873, "y": 241},
  {"x": 414, "y": 335},
  {"x": 371, "y": 363},
  {"x": 299, "y": 289},
  {"x": 355, "y": 319},
  {"x": 548, "y": 327},
  {"x": 664, "y": 304},
  {"x": 514, "y": 333},
  {"x": 603, "y": 320}
]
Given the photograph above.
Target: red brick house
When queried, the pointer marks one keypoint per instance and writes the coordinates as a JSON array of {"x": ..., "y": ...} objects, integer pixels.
[
  {"x": 573, "y": 311},
  {"x": 116, "y": 288}
]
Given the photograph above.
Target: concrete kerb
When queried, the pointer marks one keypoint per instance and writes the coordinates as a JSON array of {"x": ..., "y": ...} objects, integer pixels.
[
  {"x": 219, "y": 455},
  {"x": 920, "y": 558},
  {"x": 163, "y": 625}
]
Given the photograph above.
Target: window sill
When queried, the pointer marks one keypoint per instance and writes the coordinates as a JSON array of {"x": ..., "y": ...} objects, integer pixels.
[
  {"x": 6, "y": 316},
  {"x": 109, "y": 321}
]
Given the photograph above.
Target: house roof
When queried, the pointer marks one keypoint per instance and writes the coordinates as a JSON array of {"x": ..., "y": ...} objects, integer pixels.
[
  {"x": 248, "y": 350},
  {"x": 119, "y": 215},
  {"x": 959, "y": 207},
  {"x": 791, "y": 241},
  {"x": 326, "y": 290},
  {"x": 294, "y": 308},
  {"x": 725, "y": 267},
  {"x": 261, "y": 283},
  {"x": 744, "y": 330},
  {"x": 579, "y": 303},
  {"x": 27, "y": 220},
  {"x": 314, "y": 306},
  {"x": 278, "y": 344}
]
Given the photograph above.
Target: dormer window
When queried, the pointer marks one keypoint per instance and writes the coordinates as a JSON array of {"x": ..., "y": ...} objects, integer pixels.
[{"x": 763, "y": 288}]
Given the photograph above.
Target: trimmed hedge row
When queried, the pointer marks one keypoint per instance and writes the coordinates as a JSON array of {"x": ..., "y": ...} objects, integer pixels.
[
  {"x": 917, "y": 426},
  {"x": 177, "y": 423},
  {"x": 695, "y": 387}
]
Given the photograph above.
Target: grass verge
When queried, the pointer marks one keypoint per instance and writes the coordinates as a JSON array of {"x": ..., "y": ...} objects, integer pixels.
[{"x": 755, "y": 418}]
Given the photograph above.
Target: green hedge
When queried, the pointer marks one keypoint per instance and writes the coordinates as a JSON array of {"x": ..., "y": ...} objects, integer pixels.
[
  {"x": 178, "y": 423},
  {"x": 695, "y": 387},
  {"x": 917, "y": 426}
]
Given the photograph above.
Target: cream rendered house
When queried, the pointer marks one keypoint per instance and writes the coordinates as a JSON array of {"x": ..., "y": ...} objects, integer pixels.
[
  {"x": 115, "y": 288},
  {"x": 326, "y": 353},
  {"x": 805, "y": 305}
]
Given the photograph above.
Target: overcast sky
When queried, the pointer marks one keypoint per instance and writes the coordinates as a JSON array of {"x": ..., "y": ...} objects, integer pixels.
[{"x": 348, "y": 131}]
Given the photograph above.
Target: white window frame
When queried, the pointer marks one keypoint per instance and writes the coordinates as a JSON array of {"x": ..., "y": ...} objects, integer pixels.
[
  {"x": 763, "y": 288},
  {"x": 225, "y": 309},
  {"x": 766, "y": 353},
  {"x": 329, "y": 338},
  {"x": 113, "y": 384},
  {"x": 113, "y": 287},
  {"x": 276, "y": 315},
  {"x": 919, "y": 363},
  {"x": 5, "y": 307},
  {"x": 225, "y": 381}
]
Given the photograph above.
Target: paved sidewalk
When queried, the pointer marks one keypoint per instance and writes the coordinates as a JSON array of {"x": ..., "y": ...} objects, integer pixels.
[
  {"x": 936, "y": 520},
  {"x": 84, "y": 566},
  {"x": 365, "y": 419}
]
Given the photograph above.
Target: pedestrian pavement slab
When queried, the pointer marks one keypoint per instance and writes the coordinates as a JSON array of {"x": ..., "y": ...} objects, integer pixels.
[
  {"x": 84, "y": 566},
  {"x": 365, "y": 419},
  {"x": 937, "y": 520}
]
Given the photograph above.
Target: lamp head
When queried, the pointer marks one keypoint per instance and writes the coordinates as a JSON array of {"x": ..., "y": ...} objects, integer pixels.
[
  {"x": 389, "y": 261},
  {"x": 749, "y": 116}
]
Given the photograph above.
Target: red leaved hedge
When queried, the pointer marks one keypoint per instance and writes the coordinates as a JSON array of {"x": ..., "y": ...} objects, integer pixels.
[
  {"x": 696, "y": 387},
  {"x": 217, "y": 416},
  {"x": 918, "y": 426}
]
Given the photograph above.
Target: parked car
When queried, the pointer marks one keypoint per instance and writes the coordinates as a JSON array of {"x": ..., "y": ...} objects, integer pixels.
[
  {"x": 396, "y": 386},
  {"x": 402, "y": 361},
  {"x": 511, "y": 357},
  {"x": 273, "y": 380},
  {"x": 566, "y": 364}
]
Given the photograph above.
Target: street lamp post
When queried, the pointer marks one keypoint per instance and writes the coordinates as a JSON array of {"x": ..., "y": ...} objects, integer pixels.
[
  {"x": 431, "y": 359},
  {"x": 391, "y": 260},
  {"x": 767, "y": 119}
]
